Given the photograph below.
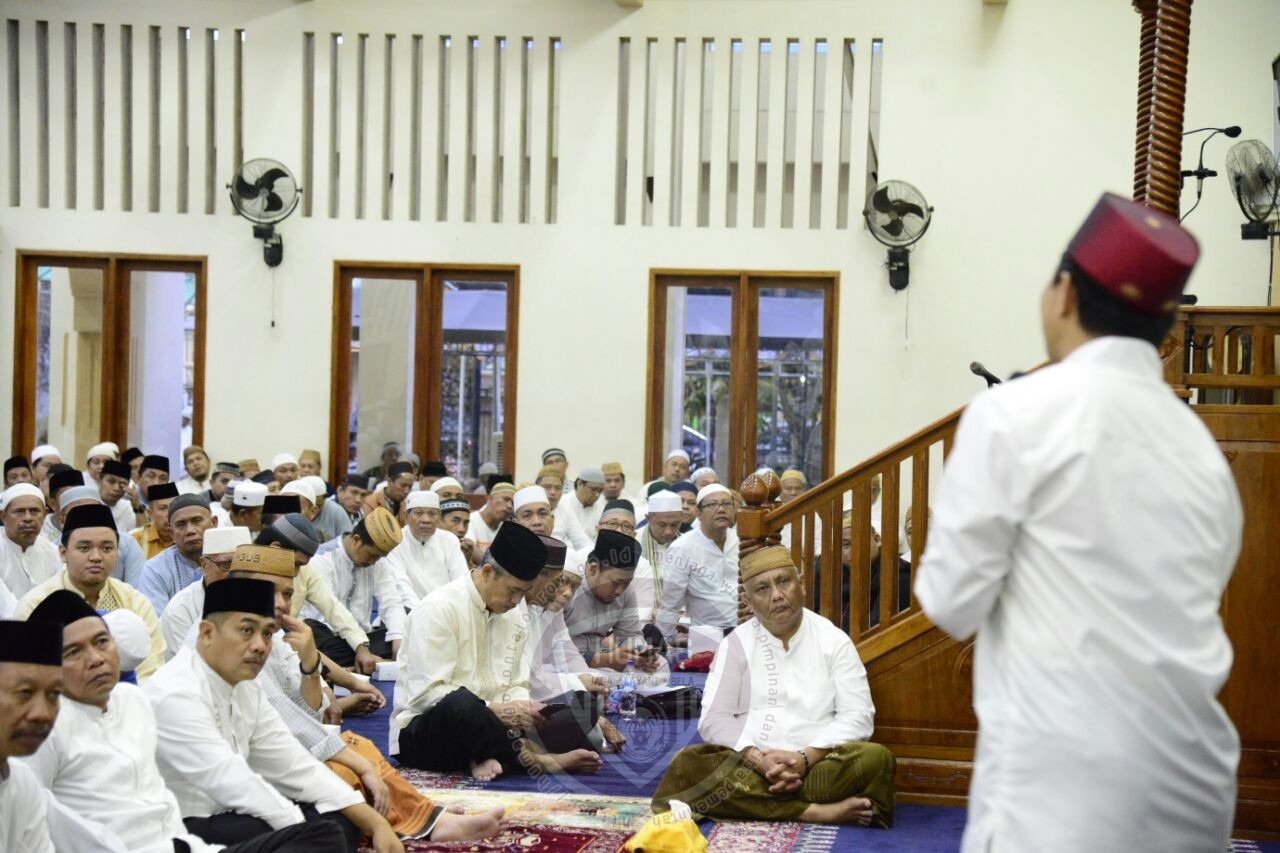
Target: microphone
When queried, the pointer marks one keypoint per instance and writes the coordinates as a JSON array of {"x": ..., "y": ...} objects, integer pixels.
[
  {"x": 1233, "y": 131},
  {"x": 976, "y": 368}
]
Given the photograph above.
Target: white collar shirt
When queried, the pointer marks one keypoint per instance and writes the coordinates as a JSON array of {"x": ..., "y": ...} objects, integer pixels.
[
  {"x": 421, "y": 566},
  {"x": 567, "y": 528},
  {"x": 1086, "y": 527},
  {"x": 586, "y": 516},
  {"x": 553, "y": 660},
  {"x": 22, "y": 570},
  {"x": 185, "y": 610},
  {"x": 356, "y": 588},
  {"x": 700, "y": 578},
  {"x": 813, "y": 693},
  {"x": 224, "y": 748}
]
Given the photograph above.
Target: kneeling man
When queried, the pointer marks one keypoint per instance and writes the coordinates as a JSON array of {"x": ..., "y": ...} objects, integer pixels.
[{"x": 785, "y": 717}]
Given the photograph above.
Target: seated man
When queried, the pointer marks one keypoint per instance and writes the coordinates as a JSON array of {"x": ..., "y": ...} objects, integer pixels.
[
  {"x": 223, "y": 750},
  {"x": 486, "y": 521},
  {"x": 26, "y": 558},
  {"x": 90, "y": 547},
  {"x": 351, "y": 566},
  {"x": 113, "y": 486},
  {"x": 129, "y": 562},
  {"x": 177, "y": 566},
  {"x": 785, "y": 717},
  {"x": 873, "y": 576},
  {"x": 100, "y": 758},
  {"x": 455, "y": 517},
  {"x": 183, "y": 612},
  {"x": 247, "y": 502},
  {"x": 427, "y": 557},
  {"x": 154, "y": 537},
  {"x": 464, "y": 681},
  {"x": 603, "y": 618},
  {"x": 566, "y": 526},
  {"x": 351, "y": 494},
  {"x": 16, "y": 470},
  {"x": 701, "y": 572}
]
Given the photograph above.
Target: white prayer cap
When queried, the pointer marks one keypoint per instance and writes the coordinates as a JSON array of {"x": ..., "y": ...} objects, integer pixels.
[
  {"x": 486, "y": 469},
  {"x": 224, "y": 540},
  {"x": 318, "y": 485},
  {"x": 133, "y": 638},
  {"x": 283, "y": 459},
  {"x": 445, "y": 482},
  {"x": 42, "y": 451},
  {"x": 709, "y": 490},
  {"x": 301, "y": 488},
  {"x": 530, "y": 495},
  {"x": 673, "y": 454},
  {"x": 20, "y": 490},
  {"x": 106, "y": 448},
  {"x": 422, "y": 500},
  {"x": 591, "y": 474},
  {"x": 701, "y": 472},
  {"x": 575, "y": 563},
  {"x": 250, "y": 493},
  {"x": 664, "y": 501}
]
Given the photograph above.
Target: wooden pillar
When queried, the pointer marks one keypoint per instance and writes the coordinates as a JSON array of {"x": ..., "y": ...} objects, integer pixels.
[
  {"x": 759, "y": 490},
  {"x": 1162, "y": 90}
]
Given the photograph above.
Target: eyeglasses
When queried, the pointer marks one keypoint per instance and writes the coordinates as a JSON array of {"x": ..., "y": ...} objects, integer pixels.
[
  {"x": 625, "y": 526},
  {"x": 717, "y": 505}
]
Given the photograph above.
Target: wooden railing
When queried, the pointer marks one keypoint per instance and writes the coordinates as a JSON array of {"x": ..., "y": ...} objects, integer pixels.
[{"x": 1225, "y": 356}]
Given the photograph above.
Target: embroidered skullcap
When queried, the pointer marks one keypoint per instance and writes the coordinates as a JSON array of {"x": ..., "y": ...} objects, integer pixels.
[
  {"x": 240, "y": 595},
  {"x": 382, "y": 528},
  {"x": 530, "y": 495},
  {"x": 188, "y": 451},
  {"x": 794, "y": 474},
  {"x": 264, "y": 560},
  {"x": 549, "y": 471},
  {"x": 664, "y": 501},
  {"x": 611, "y": 468},
  {"x": 553, "y": 451},
  {"x": 227, "y": 468},
  {"x": 422, "y": 500},
  {"x": 616, "y": 550},
  {"x": 37, "y": 643},
  {"x": 224, "y": 540},
  {"x": 488, "y": 469},
  {"x": 162, "y": 492},
  {"x": 762, "y": 560},
  {"x": 519, "y": 551},
  {"x": 249, "y": 465},
  {"x": 503, "y": 488},
  {"x": 454, "y": 505}
]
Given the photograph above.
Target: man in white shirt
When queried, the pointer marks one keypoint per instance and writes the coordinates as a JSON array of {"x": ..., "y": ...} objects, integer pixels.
[
  {"x": 222, "y": 748},
  {"x": 1086, "y": 527},
  {"x": 566, "y": 526},
  {"x": 42, "y": 457},
  {"x": 113, "y": 483},
  {"x": 184, "y": 610},
  {"x": 27, "y": 559},
  {"x": 97, "y": 456},
  {"x": 486, "y": 521},
  {"x": 455, "y": 517},
  {"x": 660, "y": 529},
  {"x": 785, "y": 717},
  {"x": 246, "y": 505},
  {"x": 61, "y": 479},
  {"x": 427, "y": 557},
  {"x": 675, "y": 469},
  {"x": 196, "y": 463},
  {"x": 701, "y": 573},
  {"x": 353, "y": 569},
  {"x": 100, "y": 758},
  {"x": 285, "y": 467},
  {"x": 464, "y": 682},
  {"x": 586, "y": 503}
]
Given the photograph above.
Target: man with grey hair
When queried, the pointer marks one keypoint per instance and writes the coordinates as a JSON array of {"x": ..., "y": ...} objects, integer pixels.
[{"x": 586, "y": 503}]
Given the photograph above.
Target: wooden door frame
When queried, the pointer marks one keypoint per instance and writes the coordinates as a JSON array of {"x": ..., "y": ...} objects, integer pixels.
[
  {"x": 743, "y": 374},
  {"x": 116, "y": 269},
  {"x": 428, "y": 346}
]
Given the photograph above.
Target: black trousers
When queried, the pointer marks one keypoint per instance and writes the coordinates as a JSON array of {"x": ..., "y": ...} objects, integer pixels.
[
  {"x": 330, "y": 832},
  {"x": 339, "y": 650},
  {"x": 460, "y": 730}
]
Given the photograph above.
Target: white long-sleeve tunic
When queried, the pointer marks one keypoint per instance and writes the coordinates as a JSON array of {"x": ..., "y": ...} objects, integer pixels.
[
  {"x": 21, "y": 570},
  {"x": 701, "y": 578},
  {"x": 1086, "y": 527},
  {"x": 421, "y": 566},
  {"x": 356, "y": 588}
]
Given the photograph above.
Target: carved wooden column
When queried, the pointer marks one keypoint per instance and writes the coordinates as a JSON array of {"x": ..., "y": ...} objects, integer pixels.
[
  {"x": 1162, "y": 91},
  {"x": 759, "y": 490}
]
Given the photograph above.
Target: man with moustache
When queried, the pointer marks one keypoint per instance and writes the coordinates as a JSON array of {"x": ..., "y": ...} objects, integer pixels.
[
  {"x": 701, "y": 572},
  {"x": 428, "y": 556},
  {"x": 27, "y": 559}
]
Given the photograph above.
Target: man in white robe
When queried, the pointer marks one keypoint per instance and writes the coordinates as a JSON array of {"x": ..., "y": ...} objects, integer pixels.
[
  {"x": 222, "y": 748},
  {"x": 565, "y": 526},
  {"x": 100, "y": 758},
  {"x": 1086, "y": 527},
  {"x": 427, "y": 557},
  {"x": 197, "y": 465},
  {"x": 98, "y": 456},
  {"x": 185, "y": 608},
  {"x": 27, "y": 559},
  {"x": 701, "y": 572},
  {"x": 586, "y": 503},
  {"x": 113, "y": 485},
  {"x": 486, "y": 521},
  {"x": 660, "y": 529}
]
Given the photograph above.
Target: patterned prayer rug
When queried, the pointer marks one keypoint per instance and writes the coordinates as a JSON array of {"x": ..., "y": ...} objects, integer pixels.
[
  {"x": 555, "y": 808},
  {"x": 533, "y": 839}
]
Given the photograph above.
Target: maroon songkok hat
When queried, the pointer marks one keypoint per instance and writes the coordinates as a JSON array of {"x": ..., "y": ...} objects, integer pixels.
[{"x": 1139, "y": 255}]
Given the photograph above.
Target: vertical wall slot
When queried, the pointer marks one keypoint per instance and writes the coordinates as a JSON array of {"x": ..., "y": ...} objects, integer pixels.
[
  {"x": 498, "y": 155},
  {"x": 761, "y": 130},
  {"x": 469, "y": 164},
  {"x": 210, "y": 120},
  {"x": 442, "y": 131},
  {"x": 308, "y": 118},
  {"x": 42, "y": 113},
  {"x": 526, "y": 128},
  {"x": 153, "y": 119},
  {"x": 70, "y": 123},
  {"x": 678, "y": 130},
  {"x": 388, "y": 123},
  {"x": 873, "y": 117},
  {"x": 362, "y": 120},
  {"x": 819, "y": 128},
  {"x": 620, "y": 151},
  {"x": 553, "y": 128},
  {"x": 650, "y": 126},
  {"x": 846, "y": 132},
  {"x": 99, "y": 116},
  {"x": 184, "y": 116},
  {"x": 706, "y": 103},
  {"x": 126, "y": 118},
  {"x": 735, "y": 126},
  {"x": 237, "y": 105},
  {"x": 12, "y": 41},
  {"x": 790, "y": 156},
  {"x": 415, "y": 133},
  {"x": 335, "y": 103}
]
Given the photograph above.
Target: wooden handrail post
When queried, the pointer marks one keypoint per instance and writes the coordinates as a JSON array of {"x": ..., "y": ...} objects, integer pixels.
[{"x": 1162, "y": 93}]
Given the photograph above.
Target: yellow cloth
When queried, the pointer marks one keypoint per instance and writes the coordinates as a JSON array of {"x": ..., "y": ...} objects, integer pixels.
[
  {"x": 663, "y": 834},
  {"x": 115, "y": 595},
  {"x": 148, "y": 539},
  {"x": 410, "y": 810}
]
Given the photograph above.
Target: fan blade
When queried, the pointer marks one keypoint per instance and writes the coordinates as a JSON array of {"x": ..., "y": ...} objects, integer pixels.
[
  {"x": 903, "y": 208},
  {"x": 273, "y": 203},
  {"x": 268, "y": 180},
  {"x": 894, "y": 228},
  {"x": 881, "y": 202},
  {"x": 244, "y": 189}
]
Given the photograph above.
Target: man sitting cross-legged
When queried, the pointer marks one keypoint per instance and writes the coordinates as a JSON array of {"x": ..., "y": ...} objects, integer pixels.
[
  {"x": 462, "y": 692},
  {"x": 785, "y": 716},
  {"x": 223, "y": 750},
  {"x": 100, "y": 758}
]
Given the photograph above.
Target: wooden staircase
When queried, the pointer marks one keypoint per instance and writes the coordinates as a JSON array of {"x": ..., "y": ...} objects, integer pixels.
[{"x": 1223, "y": 361}]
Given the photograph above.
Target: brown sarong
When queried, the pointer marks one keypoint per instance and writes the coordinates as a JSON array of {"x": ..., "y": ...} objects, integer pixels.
[{"x": 410, "y": 810}]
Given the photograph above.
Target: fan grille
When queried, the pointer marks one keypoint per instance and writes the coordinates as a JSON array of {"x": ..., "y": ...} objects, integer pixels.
[
  {"x": 264, "y": 191},
  {"x": 897, "y": 214}
]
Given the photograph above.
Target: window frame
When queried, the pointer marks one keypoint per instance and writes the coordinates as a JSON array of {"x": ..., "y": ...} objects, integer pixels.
[
  {"x": 428, "y": 348},
  {"x": 116, "y": 269},
  {"x": 745, "y": 286}
]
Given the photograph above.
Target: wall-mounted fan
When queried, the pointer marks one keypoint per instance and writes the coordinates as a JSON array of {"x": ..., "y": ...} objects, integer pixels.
[
  {"x": 1255, "y": 182},
  {"x": 265, "y": 192},
  {"x": 898, "y": 215}
]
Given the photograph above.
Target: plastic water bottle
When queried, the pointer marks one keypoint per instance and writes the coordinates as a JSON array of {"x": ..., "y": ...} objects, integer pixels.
[{"x": 627, "y": 693}]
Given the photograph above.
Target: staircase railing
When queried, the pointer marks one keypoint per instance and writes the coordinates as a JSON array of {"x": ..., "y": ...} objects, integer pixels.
[{"x": 1225, "y": 356}]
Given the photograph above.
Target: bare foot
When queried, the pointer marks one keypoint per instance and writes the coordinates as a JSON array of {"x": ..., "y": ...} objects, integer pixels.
[
  {"x": 487, "y": 770},
  {"x": 854, "y": 810},
  {"x": 357, "y": 704},
  {"x": 455, "y": 827},
  {"x": 577, "y": 761}
]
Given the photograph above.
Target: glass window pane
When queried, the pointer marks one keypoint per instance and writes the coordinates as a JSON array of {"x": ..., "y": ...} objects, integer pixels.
[
  {"x": 383, "y": 317},
  {"x": 473, "y": 377},
  {"x": 69, "y": 360},
  {"x": 789, "y": 383},
  {"x": 696, "y": 399},
  {"x": 161, "y": 362}
]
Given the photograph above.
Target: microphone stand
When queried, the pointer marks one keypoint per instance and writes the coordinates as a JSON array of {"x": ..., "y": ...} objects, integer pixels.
[{"x": 1199, "y": 173}]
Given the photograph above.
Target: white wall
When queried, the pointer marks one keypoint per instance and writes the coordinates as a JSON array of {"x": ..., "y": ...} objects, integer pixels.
[{"x": 1010, "y": 119}]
